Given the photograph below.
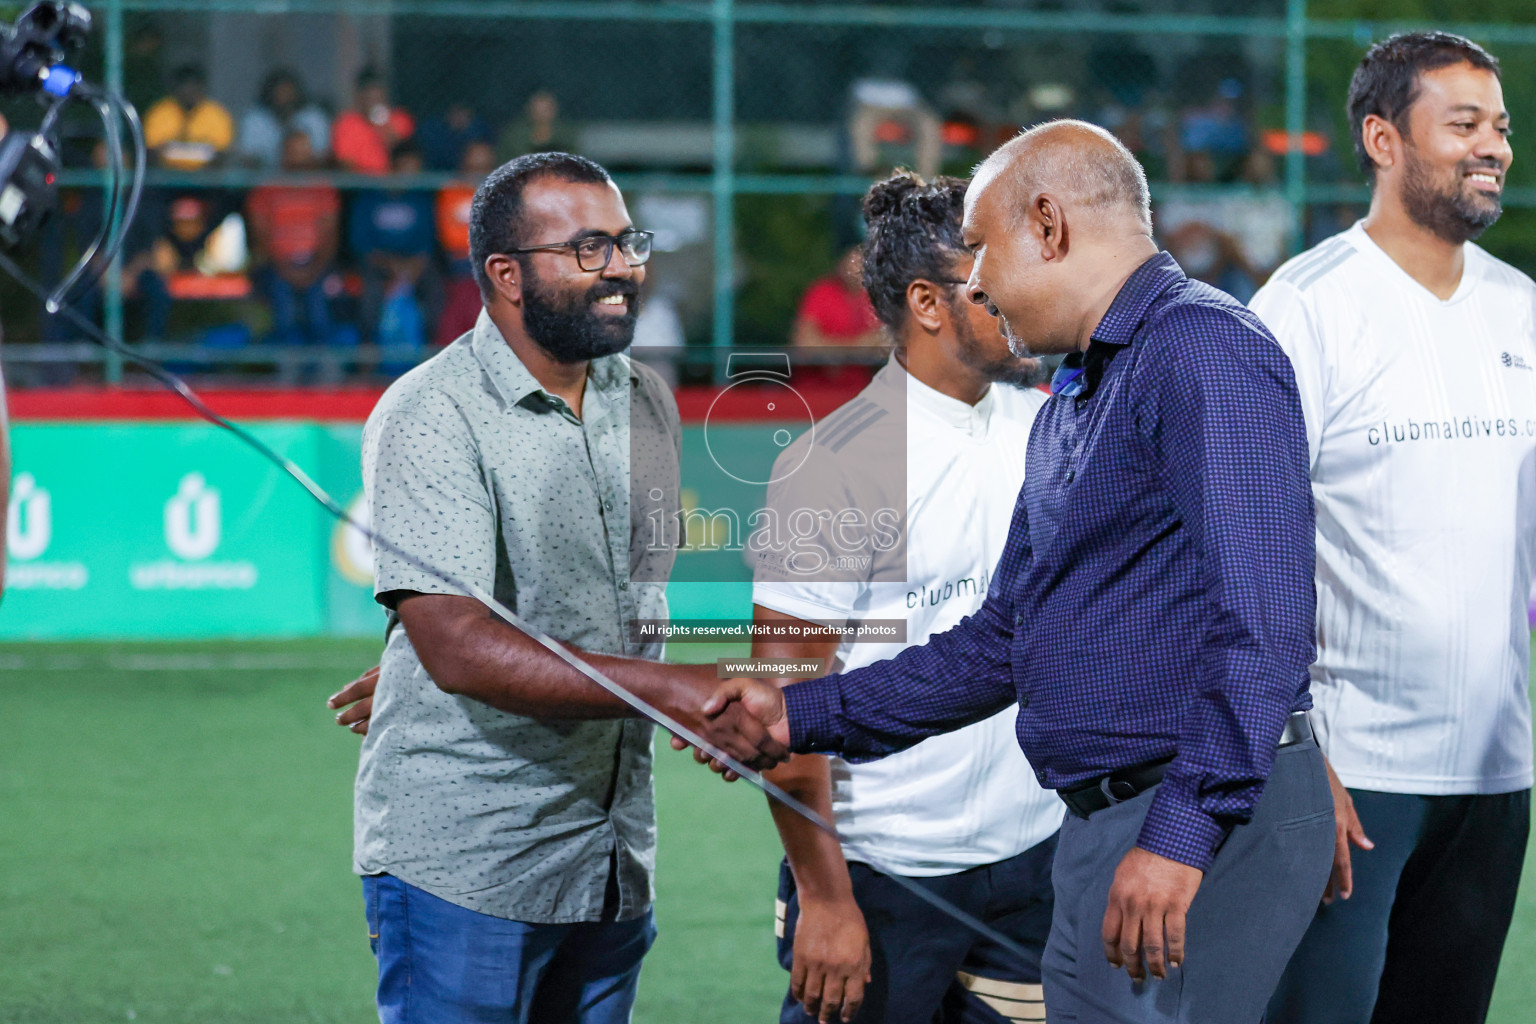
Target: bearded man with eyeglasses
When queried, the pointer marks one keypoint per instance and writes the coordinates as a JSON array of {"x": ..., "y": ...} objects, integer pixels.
[{"x": 504, "y": 824}]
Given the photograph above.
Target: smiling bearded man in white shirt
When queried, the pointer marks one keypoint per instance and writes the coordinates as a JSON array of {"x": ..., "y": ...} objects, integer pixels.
[{"x": 1415, "y": 357}]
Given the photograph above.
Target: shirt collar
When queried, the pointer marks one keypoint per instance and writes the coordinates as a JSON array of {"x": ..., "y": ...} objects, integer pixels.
[
  {"x": 1129, "y": 310},
  {"x": 960, "y": 415},
  {"x": 511, "y": 378}
]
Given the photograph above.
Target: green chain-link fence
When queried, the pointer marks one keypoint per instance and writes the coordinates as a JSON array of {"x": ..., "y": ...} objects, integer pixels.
[{"x": 744, "y": 132}]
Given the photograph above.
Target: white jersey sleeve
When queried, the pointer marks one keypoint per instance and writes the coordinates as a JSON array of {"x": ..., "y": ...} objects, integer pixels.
[{"x": 1291, "y": 319}]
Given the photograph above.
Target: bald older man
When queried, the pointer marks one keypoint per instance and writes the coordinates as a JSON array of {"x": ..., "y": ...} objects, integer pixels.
[{"x": 1151, "y": 616}]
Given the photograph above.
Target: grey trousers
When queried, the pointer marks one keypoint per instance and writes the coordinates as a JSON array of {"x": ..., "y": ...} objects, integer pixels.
[{"x": 1249, "y": 914}]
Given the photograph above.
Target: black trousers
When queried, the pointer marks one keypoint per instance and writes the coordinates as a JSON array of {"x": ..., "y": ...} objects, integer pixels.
[
  {"x": 1421, "y": 937},
  {"x": 929, "y": 968}
]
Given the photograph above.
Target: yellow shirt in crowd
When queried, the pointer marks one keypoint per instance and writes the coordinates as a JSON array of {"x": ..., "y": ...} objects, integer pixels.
[{"x": 188, "y": 140}]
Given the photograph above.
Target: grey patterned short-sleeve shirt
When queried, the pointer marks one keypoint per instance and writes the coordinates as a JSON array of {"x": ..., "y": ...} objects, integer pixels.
[{"x": 472, "y": 467}]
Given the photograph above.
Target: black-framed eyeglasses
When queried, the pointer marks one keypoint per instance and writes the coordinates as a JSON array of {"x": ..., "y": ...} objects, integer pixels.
[
  {"x": 594, "y": 251},
  {"x": 944, "y": 280}
]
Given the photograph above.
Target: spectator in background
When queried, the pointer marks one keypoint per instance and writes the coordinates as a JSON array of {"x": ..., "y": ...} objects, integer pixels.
[
  {"x": 391, "y": 235},
  {"x": 294, "y": 230},
  {"x": 461, "y": 295},
  {"x": 363, "y": 137},
  {"x": 835, "y": 311},
  {"x": 443, "y": 139},
  {"x": 1254, "y": 223},
  {"x": 1213, "y": 256},
  {"x": 539, "y": 130},
  {"x": 183, "y": 246},
  {"x": 282, "y": 108},
  {"x": 1217, "y": 133},
  {"x": 1261, "y": 219},
  {"x": 186, "y": 130}
]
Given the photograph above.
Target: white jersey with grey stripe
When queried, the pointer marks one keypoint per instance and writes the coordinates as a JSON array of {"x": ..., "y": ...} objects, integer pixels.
[
  {"x": 950, "y": 473},
  {"x": 1421, "y": 423}
]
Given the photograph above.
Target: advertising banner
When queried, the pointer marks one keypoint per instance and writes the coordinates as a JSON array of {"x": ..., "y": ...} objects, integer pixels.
[
  {"x": 160, "y": 530},
  {"x": 141, "y": 530},
  {"x": 350, "y": 607}
]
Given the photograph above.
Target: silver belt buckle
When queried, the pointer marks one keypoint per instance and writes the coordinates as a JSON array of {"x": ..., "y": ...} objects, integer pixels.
[{"x": 1298, "y": 729}]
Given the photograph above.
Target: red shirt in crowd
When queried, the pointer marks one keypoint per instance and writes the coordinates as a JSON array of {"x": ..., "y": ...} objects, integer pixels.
[
  {"x": 836, "y": 312},
  {"x": 359, "y": 144},
  {"x": 453, "y": 206},
  {"x": 291, "y": 218}
]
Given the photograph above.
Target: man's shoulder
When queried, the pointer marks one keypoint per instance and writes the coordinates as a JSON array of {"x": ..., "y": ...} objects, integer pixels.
[
  {"x": 650, "y": 384},
  {"x": 441, "y": 384},
  {"x": 1196, "y": 313},
  {"x": 869, "y": 422},
  {"x": 850, "y": 449},
  {"x": 1330, "y": 261},
  {"x": 1494, "y": 269},
  {"x": 1207, "y": 332}
]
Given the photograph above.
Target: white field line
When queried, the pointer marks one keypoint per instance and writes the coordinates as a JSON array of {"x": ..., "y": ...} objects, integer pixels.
[{"x": 179, "y": 663}]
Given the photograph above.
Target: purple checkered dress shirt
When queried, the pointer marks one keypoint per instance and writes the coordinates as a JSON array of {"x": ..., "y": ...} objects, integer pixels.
[{"x": 1155, "y": 597}]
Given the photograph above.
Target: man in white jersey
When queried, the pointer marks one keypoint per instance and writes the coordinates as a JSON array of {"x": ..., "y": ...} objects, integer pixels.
[
  {"x": 961, "y": 813},
  {"x": 1415, "y": 356}
]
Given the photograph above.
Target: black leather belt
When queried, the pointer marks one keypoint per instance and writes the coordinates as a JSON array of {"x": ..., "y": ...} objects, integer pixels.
[{"x": 1118, "y": 787}]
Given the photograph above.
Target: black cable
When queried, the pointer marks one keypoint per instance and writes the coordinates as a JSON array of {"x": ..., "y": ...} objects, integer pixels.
[
  {"x": 109, "y": 107},
  {"x": 108, "y": 215},
  {"x": 140, "y": 168}
]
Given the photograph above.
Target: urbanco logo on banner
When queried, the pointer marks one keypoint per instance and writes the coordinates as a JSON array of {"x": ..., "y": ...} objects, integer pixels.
[
  {"x": 28, "y": 533},
  {"x": 192, "y": 520},
  {"x": 193, "y": 526}
]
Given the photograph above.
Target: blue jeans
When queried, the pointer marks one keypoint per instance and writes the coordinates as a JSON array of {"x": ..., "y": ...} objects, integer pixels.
[{"x": 440, "y": 963}]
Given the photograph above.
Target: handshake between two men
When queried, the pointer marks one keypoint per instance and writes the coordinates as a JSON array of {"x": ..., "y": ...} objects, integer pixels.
[
  {"x": 734, "y": 711},
  {"x": 493, "y": 663},
  {"x": 742, "y": 717}
]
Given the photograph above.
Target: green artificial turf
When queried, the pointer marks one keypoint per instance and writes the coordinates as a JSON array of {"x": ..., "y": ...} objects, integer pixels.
[{"x": 175, "y": 837}]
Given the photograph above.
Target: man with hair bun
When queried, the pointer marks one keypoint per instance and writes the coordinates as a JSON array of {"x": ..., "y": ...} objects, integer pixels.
[
  {"x": 1415, "y": 357},
  {"x": 960, "y": 814}
]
